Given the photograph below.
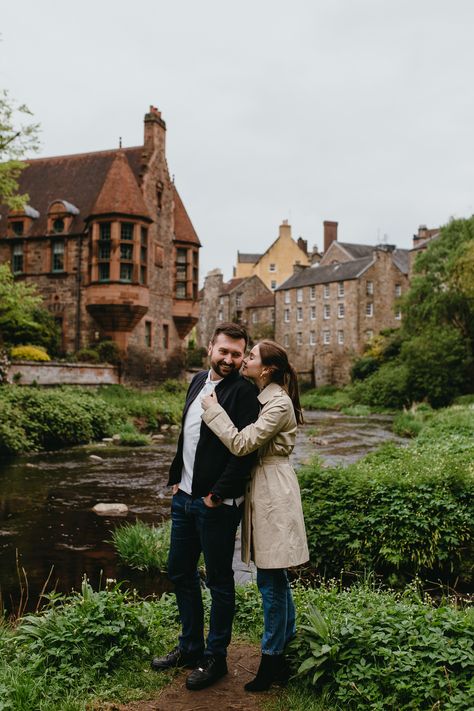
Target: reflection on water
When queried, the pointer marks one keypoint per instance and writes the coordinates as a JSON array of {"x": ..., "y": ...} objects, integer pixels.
[{"x": 46, "y": 501}]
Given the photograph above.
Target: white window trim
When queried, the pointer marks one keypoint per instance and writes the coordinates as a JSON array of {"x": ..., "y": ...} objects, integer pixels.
[
  {"x": 326, "y": 312},
  {"x": 313, "y": 313},
  {"x": 299, "y": 313}
]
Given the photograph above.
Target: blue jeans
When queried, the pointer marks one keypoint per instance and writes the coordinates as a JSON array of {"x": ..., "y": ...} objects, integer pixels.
[
  {"x": 195, "y": 528},
  {"x": 278, "y": 609}
]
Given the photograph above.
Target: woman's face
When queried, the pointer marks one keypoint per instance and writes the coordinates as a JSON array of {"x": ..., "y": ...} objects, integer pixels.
[{"x": 252, "y": 365}]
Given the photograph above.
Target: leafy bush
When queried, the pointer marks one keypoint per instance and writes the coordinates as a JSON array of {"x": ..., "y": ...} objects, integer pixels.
[
  {"x": 141, "y": 546},
  {"x": 87, "y": 355},
  {"x": 399, "y": 511},
  {"x": 363, "y": 367},
  {"x": 134, "y": 439},
  {"x": 409, "y": 423},
  {"x": 387, "y": 388},
  {"x": 108, "y": 352},
  {"x": 371, "y": 649},
  {"x": 154, "y": 407},
  {"x": 195, "y": 357},
  {"x": 47, "y": 419},
  {"x": 36, "y": 353},
  {"x": 327, "y": 397}
]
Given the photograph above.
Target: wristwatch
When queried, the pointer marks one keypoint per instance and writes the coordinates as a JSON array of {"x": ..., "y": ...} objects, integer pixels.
[{"x": 215, "y": 498}]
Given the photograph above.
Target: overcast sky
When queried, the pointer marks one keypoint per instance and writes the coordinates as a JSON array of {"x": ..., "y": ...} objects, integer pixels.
[{"x": 360, "y": 111}]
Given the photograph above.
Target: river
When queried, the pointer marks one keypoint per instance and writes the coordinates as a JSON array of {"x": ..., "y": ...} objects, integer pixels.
[{"x": 48, "y": 528}]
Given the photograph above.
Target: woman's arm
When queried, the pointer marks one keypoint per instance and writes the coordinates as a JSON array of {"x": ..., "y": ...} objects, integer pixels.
[{"x": 270, "y": 422}]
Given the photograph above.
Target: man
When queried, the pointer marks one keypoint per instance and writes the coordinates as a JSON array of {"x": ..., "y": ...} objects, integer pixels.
[{"x": 208, "y": 487}]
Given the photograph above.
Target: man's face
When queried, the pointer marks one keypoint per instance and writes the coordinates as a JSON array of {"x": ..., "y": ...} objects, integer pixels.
[{"x": 226, "y": 354}]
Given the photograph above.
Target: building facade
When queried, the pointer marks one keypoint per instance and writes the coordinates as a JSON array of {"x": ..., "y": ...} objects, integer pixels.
[
  {"x": 109, "y": 244},
  {"x": 326, "y": 314}
]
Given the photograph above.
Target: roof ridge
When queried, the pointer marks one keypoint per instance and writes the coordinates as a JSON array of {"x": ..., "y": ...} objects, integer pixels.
[{"x": 80, "y": 155}]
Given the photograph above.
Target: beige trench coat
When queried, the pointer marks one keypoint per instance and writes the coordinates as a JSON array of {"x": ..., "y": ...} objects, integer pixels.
[{"x": 273, "y": 531}]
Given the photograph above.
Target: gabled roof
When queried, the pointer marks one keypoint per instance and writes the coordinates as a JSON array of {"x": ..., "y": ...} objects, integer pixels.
[
  {"x": 353, "y": 251},
  {"x": 344, "y": 271},
  {"x": 120, "y": 193},
  {"x": 401, "y": 259},
  {"x": 263, "y": 300},
  {"x": 247, "y": 258},
  {"x": 183, "y": 227},
  {"x": 231, "y": 285}
]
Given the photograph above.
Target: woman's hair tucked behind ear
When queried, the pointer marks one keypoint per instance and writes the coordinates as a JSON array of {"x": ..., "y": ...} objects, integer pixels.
[{"x": 281, "y": 372}]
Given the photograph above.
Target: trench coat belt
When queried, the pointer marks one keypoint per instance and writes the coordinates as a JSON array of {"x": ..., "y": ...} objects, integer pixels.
[{"x": 272, "y": 459}]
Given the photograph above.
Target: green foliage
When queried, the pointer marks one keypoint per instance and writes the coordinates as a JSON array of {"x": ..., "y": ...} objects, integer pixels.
[
  {"x": 371, "y": 649},
  {"x": 29, "y": 353},
  {"x": 16, "y": 139},
  {"x": 327, "y": 397},
  {"x": 108, "y": 352},
  {"x": 363, "y": 367},
  {"x": 134, "y": 439},
  {"x": 387, "y": 388},
  {"x": 195, "y": 357},
  {"x": 153, "y": 407},
  {"x": 35, "y": 419},
  {"x": 400, "y": 511},
  {"x": 410, "y": 423},
  {"x": 141, "y": 546},
  {"x": 87, "y": 355}
]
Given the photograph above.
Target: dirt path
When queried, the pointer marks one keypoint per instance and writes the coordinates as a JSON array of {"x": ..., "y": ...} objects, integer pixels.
[{"x": 226, "y": 695}]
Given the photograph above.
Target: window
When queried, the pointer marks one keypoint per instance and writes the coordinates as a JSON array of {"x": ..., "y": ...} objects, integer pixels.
[
  {"x": 181, "y": 272},
  {"x": 341, "y": 311},
  {"x": 148, "y": 334},
  {"x": 126, "y": 251},
  {"x": 398, "y": 314},
  {"x": 58, "y": 225},
  {"x": 272, "y": 268},
  {"x": 299, "y": 313},
  {"x": 398, "y": 289},
  {"x": 326, "y": 311},
  {"x": 312, "y": 338},
  {"x": 313, "y": 313},
  {"x": 286, "y": 340},
  {"x": 17, "y": 261},
  {"x": 286, "y": 316},
  {"x": 126, "y": 231},
  {"x": 369, "y": 287},
  {"x": 166, "y": 336},
  {"x": 273, "y": 284},
  {"x": 312, "y": 293},
  {"x": 326, "y": 291},
  {"x": 220, "y": 315},
  {"x": 221, "y": 300},
  {"x": 58, "y": 255},
  {"x": 143, "y": 254},
  {"x": 299, "y": 295},
  {"x": 340, "y": 289},
  {"x": 126, "y": 272},
  {"x": 287, "y": 297},
  {"x": 18, "y": 227},
  {"x": 104, "y": 250},
  {"x": 299, "y": 339},
  {"x": 369, "y": 309},
  {"x": 326, "y": 337},
  {"x": 238, "y": 300},
  {"x": 254, "y": 317},
  {"x": 340, "y": 337}
]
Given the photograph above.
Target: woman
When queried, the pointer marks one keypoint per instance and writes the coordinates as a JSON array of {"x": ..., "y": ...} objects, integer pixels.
[{"x": 273, "y": 532}]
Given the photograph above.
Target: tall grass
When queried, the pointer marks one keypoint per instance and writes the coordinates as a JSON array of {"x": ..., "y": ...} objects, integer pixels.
[{"x": 141, "y": 546}]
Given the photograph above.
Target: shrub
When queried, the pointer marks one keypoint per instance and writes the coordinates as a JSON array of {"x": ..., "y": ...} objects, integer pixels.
[
  {"x": 195, "y": 357},
  {"x": 372, "y": 649},
  {"x": 363, "y": 367},
  {"x": 387, "y": 388},
  {"x": 327, "y": 397},
  {"x": 400, "y": 511},
  {"x": 36, "y": 353},
  {"x": 108, "y": 352},
  {"x": 87, "y": 355},
  {"x": 133, "y": 439},
  {"x": 141, "y": 546}
]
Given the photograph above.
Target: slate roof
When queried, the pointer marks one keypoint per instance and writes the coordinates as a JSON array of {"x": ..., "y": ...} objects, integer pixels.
[
  {"x": 401, "y": 258},
  {"x": 231, "y": 285},
  {"x": 343, "y": 271},
  {"x": 264, "y": 300},
  {"x": 357, "y": 251},
  {"x": 82, "y": 178},
  {"x": 247, "y": 258}
]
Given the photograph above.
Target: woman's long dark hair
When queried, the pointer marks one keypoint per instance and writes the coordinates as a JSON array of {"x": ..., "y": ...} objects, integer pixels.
[{"x": 281, "y": 372}]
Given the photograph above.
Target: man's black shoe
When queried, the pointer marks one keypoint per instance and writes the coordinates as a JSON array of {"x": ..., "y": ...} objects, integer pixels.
[
  {"x": 176, "y": 658},
  {"x": 210, "y": 669}
]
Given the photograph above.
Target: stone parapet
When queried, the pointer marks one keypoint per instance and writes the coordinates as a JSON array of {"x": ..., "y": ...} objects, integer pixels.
[{"x": 29, "y": 372}]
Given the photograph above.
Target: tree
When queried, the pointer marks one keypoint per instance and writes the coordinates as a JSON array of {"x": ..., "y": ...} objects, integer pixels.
[
  {"x": 17, "y": 138},
  {"x": 23, "y": 319}
]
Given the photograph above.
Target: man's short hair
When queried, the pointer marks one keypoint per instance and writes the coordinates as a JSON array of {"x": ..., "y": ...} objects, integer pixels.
[{"x": 232, "y": 330}]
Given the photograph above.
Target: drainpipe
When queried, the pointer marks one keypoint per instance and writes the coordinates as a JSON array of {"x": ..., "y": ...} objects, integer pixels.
[{"x": 79, "y": 294}]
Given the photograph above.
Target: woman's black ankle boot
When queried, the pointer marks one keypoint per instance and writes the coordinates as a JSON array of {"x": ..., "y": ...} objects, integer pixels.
[{"x": 273, "y": 668}]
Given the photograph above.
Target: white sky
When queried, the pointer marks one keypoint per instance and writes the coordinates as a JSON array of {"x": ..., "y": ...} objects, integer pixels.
[{"x": 360, "y": 111}]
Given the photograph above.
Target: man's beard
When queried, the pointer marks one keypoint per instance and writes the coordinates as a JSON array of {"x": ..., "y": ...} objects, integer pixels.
[{"x": 216, "y": 366}]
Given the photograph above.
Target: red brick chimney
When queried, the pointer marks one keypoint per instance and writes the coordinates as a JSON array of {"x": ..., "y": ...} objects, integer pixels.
[
  {"x": 330, "y": 233},
  {"x": 155, "y": 129}
]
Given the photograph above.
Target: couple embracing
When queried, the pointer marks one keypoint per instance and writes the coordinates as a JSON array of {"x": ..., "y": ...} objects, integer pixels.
[{"x": 232, "y": 456}]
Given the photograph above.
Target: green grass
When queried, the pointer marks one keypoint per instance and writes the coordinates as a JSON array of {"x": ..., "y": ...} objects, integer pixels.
[
  {"x": 141, "y": 546},
  {"x": 150, "y": 408}
]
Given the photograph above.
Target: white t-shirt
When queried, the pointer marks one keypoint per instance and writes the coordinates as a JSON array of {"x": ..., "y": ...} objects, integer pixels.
[{"x": 191, "y": 433}]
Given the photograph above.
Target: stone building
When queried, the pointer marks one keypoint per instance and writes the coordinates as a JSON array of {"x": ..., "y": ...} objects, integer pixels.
[
  {"x": 230, "y": 301},
  {"x": 275, "y": 265},
  {"x": 325, "y": 314},
  {"x": 109, "y": 244}
]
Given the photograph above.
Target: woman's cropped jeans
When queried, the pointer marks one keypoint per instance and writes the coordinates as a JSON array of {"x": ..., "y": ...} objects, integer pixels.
[{"x": 278, "y": 609}]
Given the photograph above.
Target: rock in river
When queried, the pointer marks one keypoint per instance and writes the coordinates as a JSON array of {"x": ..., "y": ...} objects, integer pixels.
[{"x": 110, "y": 509}]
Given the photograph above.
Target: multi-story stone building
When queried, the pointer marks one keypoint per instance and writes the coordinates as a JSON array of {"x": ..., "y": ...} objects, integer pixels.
[
  {"x": 109, "y": 244},
  {"x": 275, "y": 265},
  {"x": 325, "y": 314},
  {"x": 230, "y": 301}
]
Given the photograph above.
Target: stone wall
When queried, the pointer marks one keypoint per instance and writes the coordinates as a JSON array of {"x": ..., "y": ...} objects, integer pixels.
[{"x": 29, "y": 372}]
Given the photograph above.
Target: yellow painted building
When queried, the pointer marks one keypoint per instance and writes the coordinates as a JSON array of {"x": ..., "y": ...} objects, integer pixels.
[{"x": 276, "y": 264}]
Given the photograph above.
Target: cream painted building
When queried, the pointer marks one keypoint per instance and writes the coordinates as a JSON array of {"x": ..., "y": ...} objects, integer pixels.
[{"x": 275, "y": 265}]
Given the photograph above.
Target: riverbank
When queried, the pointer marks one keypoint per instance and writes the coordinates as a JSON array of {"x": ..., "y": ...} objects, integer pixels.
[{"x": 35, "y": 419}]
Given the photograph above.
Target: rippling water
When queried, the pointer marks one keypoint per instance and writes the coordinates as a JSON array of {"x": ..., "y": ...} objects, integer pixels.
[{"x": 46, "y": 501}]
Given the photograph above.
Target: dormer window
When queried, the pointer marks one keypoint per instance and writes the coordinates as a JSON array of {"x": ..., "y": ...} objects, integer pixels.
[
  {"x": 60, "y": 216},
  {"x": 18, "y": 227},
  {"x": 20, "y": 221},
  {"x": 58, "y": 225}
]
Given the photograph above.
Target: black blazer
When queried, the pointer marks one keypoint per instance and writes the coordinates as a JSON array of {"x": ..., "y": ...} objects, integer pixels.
[{"x": 215, "y": 468}]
